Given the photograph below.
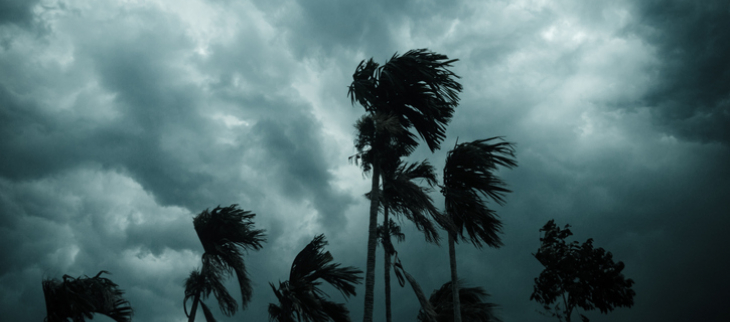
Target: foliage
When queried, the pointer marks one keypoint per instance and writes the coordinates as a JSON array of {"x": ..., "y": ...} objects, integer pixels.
[
  {"x": 473, "y": 306},
  {"x": 224, "y": 233},
  {"x": 416, "y": 88},
  {"x": 583, "y": 276},
  {"x": 384, "y": 234},
  {"x": 402, "y": 195},
  {"x": 469, "y": 175},
  {"x": 79, "y": 298},
  {"x": 301, "y": 299},
  {"x": 202, "y": 284}
]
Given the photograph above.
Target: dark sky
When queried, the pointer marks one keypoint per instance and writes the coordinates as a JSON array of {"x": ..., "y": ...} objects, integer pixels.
[{"x": 121, "y": 120}]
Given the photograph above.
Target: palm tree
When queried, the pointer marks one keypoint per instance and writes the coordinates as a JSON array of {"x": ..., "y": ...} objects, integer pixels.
[
  {"x": 404, "y": 196},
  {"x": 415, "y": 90},
  {"x": 80, "y": 298},
  {"x": 301, "y": 299},
  {"x": 468, "y": 176},
  {"x": 472, "y": 304},
  {"x": 225, "y": 233}
]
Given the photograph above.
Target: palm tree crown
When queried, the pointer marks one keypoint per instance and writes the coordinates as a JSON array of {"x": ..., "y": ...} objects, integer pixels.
[
  {"x": 301, "y": 298},
  {"x": 79, "y": 298},
  {"x": 224, "y": 233},
  {"x": 468, "y": 175},
  {"x": 416, "y": 88},
  {"x": 473, "y": 306}
]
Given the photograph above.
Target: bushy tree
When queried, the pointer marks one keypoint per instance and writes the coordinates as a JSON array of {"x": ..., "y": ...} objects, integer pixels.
[{"x": 578, "y": 274}]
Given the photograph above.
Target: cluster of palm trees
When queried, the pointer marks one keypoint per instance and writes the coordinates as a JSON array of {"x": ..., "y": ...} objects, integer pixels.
[
  {"x": 415, "y": 95},
  {"x": 225, "y": 233},
  {"x": 412, "y": 95}
]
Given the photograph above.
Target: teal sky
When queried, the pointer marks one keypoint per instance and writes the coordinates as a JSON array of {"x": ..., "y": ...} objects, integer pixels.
[{"x": 121, "y": 120}]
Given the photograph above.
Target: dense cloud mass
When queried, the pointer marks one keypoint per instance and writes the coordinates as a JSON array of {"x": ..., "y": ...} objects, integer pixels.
[{"x": 121, "y": 121}]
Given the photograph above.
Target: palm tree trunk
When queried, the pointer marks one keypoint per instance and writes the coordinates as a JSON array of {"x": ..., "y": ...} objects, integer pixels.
[
  {"x": 386, "y": 274},
  {"x": 454, "y": 278},
  {"x": 372, "y": 244},
  {"x": 194, "y": 308},
  {"x": 425, "y": 304}
]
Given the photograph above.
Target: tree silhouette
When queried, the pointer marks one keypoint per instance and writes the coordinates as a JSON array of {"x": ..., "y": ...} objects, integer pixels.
[
  {"x": 415, "y": 90},
  {"x": 301, "y": 299},
  {"x": 225, "y": 233},
  {"x": 472, "y": 304},
  {"x": 580, "y": 275},
  {"x": 468, "y": 176},
  {"x": 80, "y": 298},
  {"x": 405, "y": 197}
]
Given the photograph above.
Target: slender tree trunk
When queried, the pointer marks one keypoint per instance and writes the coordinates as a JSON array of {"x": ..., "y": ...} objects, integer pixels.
[
  {"x": 372, "y": 243},
  {"x": 425, "y": 304},
  {"x": 386, "y": 274},
  {"x": 194, "y": 309},
  {"x": 454, "y": 278}
]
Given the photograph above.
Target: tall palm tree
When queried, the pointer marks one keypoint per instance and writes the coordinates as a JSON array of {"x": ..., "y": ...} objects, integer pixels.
[
  {"x": 301, "y": 299},
  {"x": 80, "y": 298},
  {"x": 415, "y": 90},
  {"x": 472, "y": 305},
  {"x": 225, "y": 233},
  {"x": 404, "y": 196},
  {"x": 468, "y": 176}
]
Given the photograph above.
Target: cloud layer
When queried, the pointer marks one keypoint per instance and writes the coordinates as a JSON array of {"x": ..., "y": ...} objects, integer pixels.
[{"x": 120, "y": 122}]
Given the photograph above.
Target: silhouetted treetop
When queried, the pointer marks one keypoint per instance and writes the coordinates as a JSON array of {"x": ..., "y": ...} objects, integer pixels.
[{"x": 579, "y": 274}]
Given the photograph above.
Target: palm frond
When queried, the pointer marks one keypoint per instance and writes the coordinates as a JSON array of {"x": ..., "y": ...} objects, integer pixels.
[
  {"x": 210, "y": 280},
  {"x": 312, "y": 264},
  {"x": 472, "y": 301},
  {"x": 225, "y": 233},
  {"x": 417, "y": 87},
  {"x": 301, "y": 298},
  {"x": 228, "y": 225},
  {"x": 469, "y": 176},
  {"x": 80, "y": 298},
  {"x": 405, "y": 196}
]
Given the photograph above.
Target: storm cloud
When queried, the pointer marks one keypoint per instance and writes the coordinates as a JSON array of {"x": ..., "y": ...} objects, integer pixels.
[{"x": 121, "y": 121}]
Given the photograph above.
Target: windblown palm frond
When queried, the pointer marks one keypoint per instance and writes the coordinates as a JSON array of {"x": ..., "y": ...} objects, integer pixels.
[
  {"x": 393, "y": 230},
  {"x": 300, "y": 298},
  {"x": 416, "y": 87},
  {"x": 224, "y": 234},
  {"x": 202, "y": 284},
  {"x": 473, "y": 306},
  {"x": 402, "y": 195},
  {"x": 468, "y": 175},
  {"x": 396, "y": 143},
  {"x": 81, "y": 298}
]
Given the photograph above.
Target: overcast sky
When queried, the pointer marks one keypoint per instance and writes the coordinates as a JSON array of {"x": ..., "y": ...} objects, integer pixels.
[{"x": 121, "y": 120}]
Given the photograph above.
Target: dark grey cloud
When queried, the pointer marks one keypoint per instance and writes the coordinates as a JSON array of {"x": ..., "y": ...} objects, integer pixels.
[
  {"x": 120, "y": 122},
  {"x": 690, "y": 95},
  {"x": 17, "y": 12}
]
